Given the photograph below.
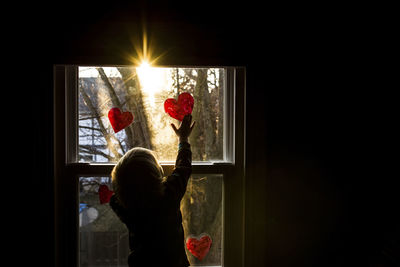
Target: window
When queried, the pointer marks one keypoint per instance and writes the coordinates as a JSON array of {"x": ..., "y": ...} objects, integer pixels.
[{"x": 86, "y": 149}]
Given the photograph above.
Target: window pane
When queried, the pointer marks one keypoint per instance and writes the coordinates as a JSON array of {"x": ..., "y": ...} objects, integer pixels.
[
  {"x": 202, "y": 214},
  {"x": 104, "y": 239},
  {"x": 142, "y": 91}
]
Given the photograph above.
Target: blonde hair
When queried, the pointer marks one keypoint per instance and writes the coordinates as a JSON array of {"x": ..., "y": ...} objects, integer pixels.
[{"x": 137, "y": 177}]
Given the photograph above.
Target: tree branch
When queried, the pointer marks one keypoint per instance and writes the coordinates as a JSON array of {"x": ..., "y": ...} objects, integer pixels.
[
  {"x": 89, "y": 104},
  {"x": 135, "y": 102},
  {"x": 111, "y": 91},
  {"x": 91, "y": 150},
  {"x": 115, "y": 100},
  {"x": 89, "y": 128},
  {"x": 189, "y": 73}
]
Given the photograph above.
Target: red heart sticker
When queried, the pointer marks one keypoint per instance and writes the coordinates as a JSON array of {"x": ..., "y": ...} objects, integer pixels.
[
  {"x": 105, "y": 194},
  {"x": 119, "y": 120},
  {"x": 199, "y": 247},
  {"x": 178, "y": 109}
]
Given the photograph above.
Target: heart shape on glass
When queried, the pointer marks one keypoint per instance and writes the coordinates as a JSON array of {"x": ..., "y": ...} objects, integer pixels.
[
  {"x": 119, "y": 120},
  {"x": 199, "y": 247},
  {"x": 105, "y": 194},
  {"x": 178, "y": 109}
]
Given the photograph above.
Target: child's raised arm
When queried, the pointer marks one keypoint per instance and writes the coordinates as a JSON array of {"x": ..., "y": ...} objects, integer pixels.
[{"x": 177, "y": 182}]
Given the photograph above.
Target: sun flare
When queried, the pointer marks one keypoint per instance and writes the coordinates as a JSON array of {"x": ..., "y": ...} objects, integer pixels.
[
  {"x": 145, "y": 65},
  {"x": 152, "y": 80}
]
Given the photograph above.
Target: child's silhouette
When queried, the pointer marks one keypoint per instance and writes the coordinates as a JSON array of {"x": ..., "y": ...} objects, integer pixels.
[{"x": 149, "y": 204}]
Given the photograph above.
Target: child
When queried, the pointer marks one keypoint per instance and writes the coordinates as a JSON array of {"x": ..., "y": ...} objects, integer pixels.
[{"x": 149, "y": 205}]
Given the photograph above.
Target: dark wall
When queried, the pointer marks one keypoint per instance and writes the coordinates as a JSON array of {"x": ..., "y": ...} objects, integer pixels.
[{"x": 315, "y": 192}]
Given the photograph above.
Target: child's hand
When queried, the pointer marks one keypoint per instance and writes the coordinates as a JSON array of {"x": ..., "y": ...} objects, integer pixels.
[{"x": 185, "y": 128}]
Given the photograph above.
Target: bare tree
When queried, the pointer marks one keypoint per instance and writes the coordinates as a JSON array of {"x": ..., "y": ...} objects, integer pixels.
[
  {"x": 128, "y": 97},
  {"x": 135, "y": 103}
]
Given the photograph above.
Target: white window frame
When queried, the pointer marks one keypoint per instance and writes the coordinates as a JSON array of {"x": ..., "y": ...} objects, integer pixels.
[{"x": 67, "y": 170}]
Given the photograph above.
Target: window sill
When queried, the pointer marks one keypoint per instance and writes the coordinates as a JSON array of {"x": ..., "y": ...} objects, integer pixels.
[{"x": 85, "y": 168}]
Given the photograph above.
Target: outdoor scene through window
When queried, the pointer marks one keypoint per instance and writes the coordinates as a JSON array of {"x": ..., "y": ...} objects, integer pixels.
[
  {"x": 104, "y": 239},
  {"x": 142, "y": 91}
]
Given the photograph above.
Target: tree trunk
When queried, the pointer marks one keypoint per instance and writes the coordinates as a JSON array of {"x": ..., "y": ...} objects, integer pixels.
[
  {"x": 208, "y": 115},
  {"x": 177, "y": 82},
  {"x": 197, "y": 136},
  {"x": 135, "y": 103},
  {"x": 115, "y": 101},
  {"x": 220, "y": 125},
  {"x": 202, "y": 209}
]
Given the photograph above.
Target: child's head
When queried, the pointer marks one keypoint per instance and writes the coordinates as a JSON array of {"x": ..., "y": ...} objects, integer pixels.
[{"x": 137, "y": 177}]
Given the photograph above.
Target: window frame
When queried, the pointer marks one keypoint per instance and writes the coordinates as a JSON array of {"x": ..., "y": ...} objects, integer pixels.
[{"x": 67, "y": 171}]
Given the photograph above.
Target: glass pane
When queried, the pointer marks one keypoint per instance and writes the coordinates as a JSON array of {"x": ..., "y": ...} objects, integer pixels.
[
  {"x": 104, "y": 239},
  {"x": 142, "y": 92},
  {"x": 202, "y": 215}
]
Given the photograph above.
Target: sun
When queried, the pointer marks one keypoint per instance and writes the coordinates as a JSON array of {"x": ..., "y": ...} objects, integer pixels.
[
  {"x": 152, "y": 80},
  {"x": 145, "y": 65}
]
